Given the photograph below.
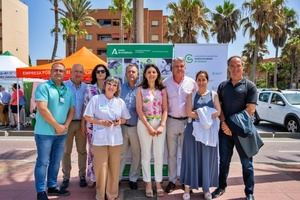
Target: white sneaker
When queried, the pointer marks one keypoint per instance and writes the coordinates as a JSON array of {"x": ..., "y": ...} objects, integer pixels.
[
  {"x": 186, "y": 196},
  {"x": 207, "y": 196}
]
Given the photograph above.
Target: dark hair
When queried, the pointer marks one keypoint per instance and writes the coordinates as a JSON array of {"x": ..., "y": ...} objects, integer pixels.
[
  {"x": 94, "y": 73},
  {"x": 202, "y": 72},
  {"x": 15, "y": 85},
  {"x": 58, "y": 63},
  {"x": 158, "y": 81},
  {"x": 232, "y": 57}
]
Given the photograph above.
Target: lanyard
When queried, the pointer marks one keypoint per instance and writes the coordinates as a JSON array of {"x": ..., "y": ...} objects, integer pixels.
[{"x": 61, "y": 92}]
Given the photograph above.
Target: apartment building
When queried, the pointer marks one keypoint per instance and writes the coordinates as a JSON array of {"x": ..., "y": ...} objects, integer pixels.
[
  {"x": 14, "y": 28},
  {"x": 155, "y": 27}
]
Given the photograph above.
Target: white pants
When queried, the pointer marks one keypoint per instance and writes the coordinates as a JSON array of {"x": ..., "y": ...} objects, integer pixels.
[
  {"x": 131, "y": 139},
  {"x": 147, "y": 143},
  {"x": 175, "y": 129}
]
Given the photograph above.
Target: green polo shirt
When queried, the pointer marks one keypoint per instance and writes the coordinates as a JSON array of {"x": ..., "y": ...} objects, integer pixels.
[{"x": 59, "y": 101}]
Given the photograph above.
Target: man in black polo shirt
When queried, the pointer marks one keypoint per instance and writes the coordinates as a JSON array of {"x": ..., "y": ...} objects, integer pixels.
[{"x": 236, "y": 94}]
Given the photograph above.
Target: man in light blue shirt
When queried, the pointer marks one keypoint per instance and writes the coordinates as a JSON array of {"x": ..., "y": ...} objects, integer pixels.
[
  {"x": 75, "y": 130},
  {"x": 129, "y": 130},
  {"x": 55, "y": 110}
]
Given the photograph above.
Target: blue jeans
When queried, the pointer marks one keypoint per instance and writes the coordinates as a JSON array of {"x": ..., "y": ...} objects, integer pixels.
[
  {"x": 50, "y": 150},
  {"x": 226, "y": 149}
]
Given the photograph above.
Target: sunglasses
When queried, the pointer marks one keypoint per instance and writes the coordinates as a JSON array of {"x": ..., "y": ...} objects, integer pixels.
[{"x": 101, "y": 71}]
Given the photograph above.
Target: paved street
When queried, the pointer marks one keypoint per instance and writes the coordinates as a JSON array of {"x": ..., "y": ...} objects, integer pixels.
[{"x": 277, "y": 173}]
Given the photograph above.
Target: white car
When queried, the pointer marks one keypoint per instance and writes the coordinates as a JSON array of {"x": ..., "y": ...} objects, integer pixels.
[{"x": 280, "y": 107}]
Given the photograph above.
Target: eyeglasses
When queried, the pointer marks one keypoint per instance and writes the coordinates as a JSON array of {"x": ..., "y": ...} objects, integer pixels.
[
  {"x": 112, "y": 84},
  {"x": 101, "y": 71}
]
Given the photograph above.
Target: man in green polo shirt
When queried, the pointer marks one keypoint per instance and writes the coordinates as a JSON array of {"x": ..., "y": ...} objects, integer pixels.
[{"x": 55, "y": 110}]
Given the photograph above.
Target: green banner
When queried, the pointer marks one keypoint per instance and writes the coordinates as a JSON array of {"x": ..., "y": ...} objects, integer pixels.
[{"x": 139, "y": 50}]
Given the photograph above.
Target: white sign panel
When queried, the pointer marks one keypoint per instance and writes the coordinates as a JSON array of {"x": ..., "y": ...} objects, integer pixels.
[{"x": 208, "y": 57}]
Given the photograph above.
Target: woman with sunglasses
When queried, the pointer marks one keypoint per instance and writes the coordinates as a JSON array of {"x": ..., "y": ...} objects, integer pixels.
[
  {"x": 99, "y": 74},
  {"x": 107, "y": 112}
]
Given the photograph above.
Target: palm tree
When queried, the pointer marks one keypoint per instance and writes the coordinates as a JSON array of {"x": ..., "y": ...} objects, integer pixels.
[
  {"x": 279, "y": 39},
  {"x": 74, "y": 17},
  {"x": 187, "y": 19},
  {"x": 291, "y": 53},
  {"x": 225, "y": 22},
  {"x": 267, "y": 68},
  {"x": 262, "y": 21},
  {"x": 250, "y": 50},
  {"x": 124, "y": 7},
  {"x": 55, "y": 29}
]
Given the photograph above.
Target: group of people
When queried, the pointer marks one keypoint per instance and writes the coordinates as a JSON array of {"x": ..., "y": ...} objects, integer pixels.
[
  {"x": 9, "y": 105},
  {"x": 109, "y": 117}
]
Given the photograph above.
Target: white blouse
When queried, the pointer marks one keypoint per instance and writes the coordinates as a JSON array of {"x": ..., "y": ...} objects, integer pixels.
[{"x": 100, "y": 107}]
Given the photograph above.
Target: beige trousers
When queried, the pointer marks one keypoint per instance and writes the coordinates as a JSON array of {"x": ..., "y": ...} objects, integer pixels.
[
  {"x": 107, "y": 168},
  {"x": 74, "y": 131}
]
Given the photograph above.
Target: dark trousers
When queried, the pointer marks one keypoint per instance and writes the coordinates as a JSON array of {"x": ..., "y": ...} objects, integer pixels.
[{"x": 226, "y": 149}]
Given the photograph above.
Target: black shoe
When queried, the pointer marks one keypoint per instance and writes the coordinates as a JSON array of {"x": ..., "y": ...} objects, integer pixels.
[
  {"x": 250, "y": 197},
  {"x": 65, "y": 184},
  {"x": 58, "y": 192},
  {"x": 42, "y": 196},
  {"x": 133, "y": 185},
  {"x": 170, "y": 187},
  {"x": 218, "y": 192},
  {"x": 82, "y": 182}
]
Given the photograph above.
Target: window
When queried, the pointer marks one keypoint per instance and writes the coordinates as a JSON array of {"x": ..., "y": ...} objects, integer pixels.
[
  {"x": 116, "y": 22},
  {"x": 89, "y": 37},
  {"x": 88, "y": 23},
  {"x": 104, "y": 22},
  {"x": 104, "y": 37},
  {"x": 155, "y": 23},
  {"x": 154, "y": 38},
  {"x": 264, "y": 97},
  {"x": 101, "y": 52},
  {"x": 276, "y": 99}
]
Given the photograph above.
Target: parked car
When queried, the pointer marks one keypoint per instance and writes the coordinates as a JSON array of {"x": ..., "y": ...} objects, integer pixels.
[{"x": 279, "y": 106}]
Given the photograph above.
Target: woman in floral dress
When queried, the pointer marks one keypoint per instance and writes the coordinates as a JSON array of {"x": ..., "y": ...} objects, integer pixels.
[{"x": 99, "y": 74}]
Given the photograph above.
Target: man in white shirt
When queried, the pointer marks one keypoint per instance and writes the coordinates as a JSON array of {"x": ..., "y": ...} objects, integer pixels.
[{"x": 178, "y": 87}]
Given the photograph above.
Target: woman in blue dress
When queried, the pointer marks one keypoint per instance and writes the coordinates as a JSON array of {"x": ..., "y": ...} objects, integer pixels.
[{"x": 200, "y": 162}]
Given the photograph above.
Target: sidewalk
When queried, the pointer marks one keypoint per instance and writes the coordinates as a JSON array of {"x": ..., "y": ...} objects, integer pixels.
[{"x": 272, "y": 182}]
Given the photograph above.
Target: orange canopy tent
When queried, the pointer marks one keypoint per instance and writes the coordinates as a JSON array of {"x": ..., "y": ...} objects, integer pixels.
[{"x": 83, "y": 56}]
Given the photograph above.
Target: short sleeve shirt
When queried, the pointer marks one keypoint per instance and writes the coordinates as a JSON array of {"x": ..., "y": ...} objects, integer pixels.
[
  {"x": 177, "y": 94},
  {"x": 234, "y": 99},
  {"x": 100, "y": 107},
  {"x": 59, "y": 101},
  {"x": 128, "y": 94}
]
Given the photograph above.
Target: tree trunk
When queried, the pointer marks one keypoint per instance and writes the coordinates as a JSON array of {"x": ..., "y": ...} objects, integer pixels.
[
  {"x": 74, "y": 44},
  {"x": 55, "y": 4},
  {"x": 276, "y": 67},
  {"x": 134, "y": 21},
  {"x": 139, "y": 26},
  {"x": 121, "y": 28},
  {"x": 253, "y": 68},
  {"x": 267, "y": 81},
  {"x": 69, "y": 45}
]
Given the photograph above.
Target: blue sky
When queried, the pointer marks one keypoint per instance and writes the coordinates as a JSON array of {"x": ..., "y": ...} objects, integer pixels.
[{"x": 41, "y": 21}]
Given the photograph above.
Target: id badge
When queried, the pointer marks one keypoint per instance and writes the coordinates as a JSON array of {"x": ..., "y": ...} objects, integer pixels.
[{"x": 61, "y": 100}]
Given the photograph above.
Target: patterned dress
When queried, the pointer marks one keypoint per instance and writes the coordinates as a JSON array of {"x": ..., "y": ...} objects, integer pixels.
[{"x": 91, "y": 91}]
